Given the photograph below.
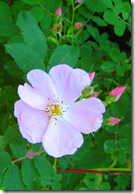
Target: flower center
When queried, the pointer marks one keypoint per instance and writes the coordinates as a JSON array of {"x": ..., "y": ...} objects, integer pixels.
[{"x": 56, "y": 110}]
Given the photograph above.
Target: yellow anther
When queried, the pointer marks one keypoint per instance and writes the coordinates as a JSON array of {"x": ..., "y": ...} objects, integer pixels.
[{"x": 57, "y": 110}]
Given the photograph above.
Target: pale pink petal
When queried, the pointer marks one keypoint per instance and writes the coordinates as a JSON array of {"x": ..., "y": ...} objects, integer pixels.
[
  {"x": 32, "y": 122},
  {"x": 85, "y": 115},
  {"x": 60, "y": 139},
  {"x": 68, "y": 82},
  {"x": 42, "y": 82},
  {"x": 32, "y": 97}
]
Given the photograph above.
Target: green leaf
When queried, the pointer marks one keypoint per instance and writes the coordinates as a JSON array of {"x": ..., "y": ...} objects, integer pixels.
[
  {"x": 120, "y": 155},
  {"x": 95, "y": 5},
  {"x": 1, "y": 142},
  {"x": 18, "y": 151},
  {"x": 5, "y": 160},
  {"x": 65, "y": 54},
  {"x": 12, "y": 68},
  {"x": 109, "y": 146},
  {"x": 57, "y": 177},
  {"x": 120, "y": 70},
  {"x": 94, "y": 32},
  {"x": 73, "y": 180},
  {"x": 118, "y": 6},
  {"x": 108, "y": 66},
  {"x": 104, "y": 42},
  {"x": 32, "y": 34},
  {"x": 46, "y": 20},
  {"x": 7, "y": 121},
  {"x": 108, "y": 3},
  {"x": 30, "y": 175},
  {"x": 125, "y": 131},
  {"x": 26, "y": 58},
  {"x": 16, "y": 39},
  {"x": 110, "y": 17},
  {"x": 99, "y": 21},
  {"x": 30, "y": 2},
  {"x": 111, "y": 129},
  {"x": 126, "y": 10},
  {"x": 14, "y": 136},
  {"x": 90, "y": 184},
  {"x": 104, "y": 186},
  {"x": 84, "y": 12},
  {"x": 4, "y": 9},
  {"x": 44, "y": 167},
  {"x": 119, "y": 108},
  {"x": 12, "y": 179},
  {"x": 119, "y": 28},
  {"x": 63, "y": 162},
  {"x": 56, "y": 185},
  {"x": 37, "y": 12},
  {"x": 83, "y": 36},
  {"x": 7, "y": 26},
  {"x": 125, "y": 145},
  {"x": 114, "y": 54}
]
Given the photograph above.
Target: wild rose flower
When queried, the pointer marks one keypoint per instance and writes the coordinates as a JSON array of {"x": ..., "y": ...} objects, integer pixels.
[
  {"x": 78, "y": 25},
  {"x": 48, "y": 113},
  {"x": 91, "y": 75},
  {"x": 58, "y": 12},
  {"x": 116, "y": 93}
]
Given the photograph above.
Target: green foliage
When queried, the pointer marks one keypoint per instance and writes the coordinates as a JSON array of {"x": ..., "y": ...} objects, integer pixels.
[
  {"x": 14, "y": 136},
  {"x": 32, "y": 34},
  {"x": 12, "y": 179},
  {"x": 26, "y": 58},
  {"x": 44, "y": 167},
  {"x": 5, "y": 160},
  {"x": 65, "y": 55},
  {"x": 30, "y": 175},
  {"x": 32, "y": 37},
  {"x": 7, "y": 25}
]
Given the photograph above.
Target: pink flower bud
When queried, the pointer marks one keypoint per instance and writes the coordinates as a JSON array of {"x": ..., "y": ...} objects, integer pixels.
[
  {"x": 113, "y": 121},
  {"x": 58, "y": 11},
  {"x": 91, "y": 75},
  {"x": 78, "y": 25},
  {"x": 94, "y": 94},
  {"x": 117, "y": 93}
]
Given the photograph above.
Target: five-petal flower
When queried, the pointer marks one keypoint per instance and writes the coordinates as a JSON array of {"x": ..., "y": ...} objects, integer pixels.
[{"x": 48, "y": 113}]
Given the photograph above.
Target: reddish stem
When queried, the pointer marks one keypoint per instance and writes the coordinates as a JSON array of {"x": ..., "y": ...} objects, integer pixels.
[{"x": 83, "y": 171}]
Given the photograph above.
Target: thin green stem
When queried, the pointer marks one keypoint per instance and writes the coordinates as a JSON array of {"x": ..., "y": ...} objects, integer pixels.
[
  {"x": 55, "y": 164},
  {"x": 46, "y": 9},
  {"x": 85, "y": 24},
  {"x": 78, "y": 5},
  {"x": 39, "y": 152},
  {"x": 73, "y": 17},
  {"x": 112, "y": 169}
]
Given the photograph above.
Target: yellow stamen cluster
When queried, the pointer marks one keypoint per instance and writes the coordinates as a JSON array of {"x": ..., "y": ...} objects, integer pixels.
[{"x": 55, "y": 109}]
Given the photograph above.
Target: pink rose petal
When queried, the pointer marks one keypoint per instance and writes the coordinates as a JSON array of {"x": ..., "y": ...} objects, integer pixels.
[
  {"x": 85, "y": 115},
  {"x": 69, "y": 82},
  {"x": 61, "y": 139},
  {"x": 32, "y": 122}
]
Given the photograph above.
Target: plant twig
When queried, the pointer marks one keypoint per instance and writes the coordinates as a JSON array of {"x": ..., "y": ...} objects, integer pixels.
[{"x": 126, "y": 171}]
